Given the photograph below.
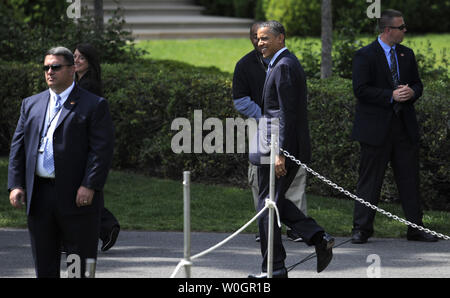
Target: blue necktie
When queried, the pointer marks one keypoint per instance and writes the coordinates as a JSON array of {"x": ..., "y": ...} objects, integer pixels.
[
  {"x": 397, "y": 107},
  {"x": 394, "y": 68},
  {"x": 49, "y": 163}
]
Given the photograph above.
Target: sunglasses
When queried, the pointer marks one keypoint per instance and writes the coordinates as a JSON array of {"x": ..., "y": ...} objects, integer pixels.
[
  {"x": 401, "y": 28},
  {"x": 54, "y": 67}
]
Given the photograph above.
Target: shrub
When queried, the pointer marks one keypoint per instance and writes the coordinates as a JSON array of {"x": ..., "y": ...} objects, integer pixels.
[
  {"x": 309, "y": 54},
  {"x": 345, "y": 46},
  {"x": 299, "y": 17},
  {"x": 433, "y": 112},
  {"x": 146, "y": 97},
  {"x": 423, "y": 16},
  {"x": 27, "y": 32},
  {"x": 335, "y": 156},
  {"x": 21, "y": 81},
  {"x": 146, "y": 101}
]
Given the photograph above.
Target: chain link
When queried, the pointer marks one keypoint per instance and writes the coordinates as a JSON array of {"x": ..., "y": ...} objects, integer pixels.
[{"x": 356, "y": 198}]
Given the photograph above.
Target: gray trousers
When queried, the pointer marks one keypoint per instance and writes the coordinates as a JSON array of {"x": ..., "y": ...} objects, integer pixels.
[{"x": 296, "y": 192}]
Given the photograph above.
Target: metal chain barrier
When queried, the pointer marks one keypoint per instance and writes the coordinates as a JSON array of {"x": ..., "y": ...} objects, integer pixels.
[
  {"x": 270, "y": 204},
  {"x": 356, "y": 198},
  {"x": 184, "y": 262}
]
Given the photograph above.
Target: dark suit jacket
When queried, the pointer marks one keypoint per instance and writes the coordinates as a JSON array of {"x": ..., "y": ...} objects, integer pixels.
[
  {"x": 284, "y": 98},
  {"x": 89, "y": 83},
  {"x": 248, "y": 78},
  {"x": 83, "y": 143},
  {"x": 373, "y": 86}
]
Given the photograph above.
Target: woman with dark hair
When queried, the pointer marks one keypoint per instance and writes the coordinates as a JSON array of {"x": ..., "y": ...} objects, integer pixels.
[
  {"x": 88, "y": 76},
  {"x": 87, "y": 69}
]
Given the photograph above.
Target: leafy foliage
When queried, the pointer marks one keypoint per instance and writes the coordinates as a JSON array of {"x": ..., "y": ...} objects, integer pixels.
[
  {"x": 149, "y": 95},
  {"x": 29, "y": 28}
]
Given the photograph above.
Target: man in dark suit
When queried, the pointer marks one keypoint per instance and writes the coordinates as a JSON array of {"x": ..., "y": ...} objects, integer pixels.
[
  {"x": 248, "y": 83},
  {"x": 386, "y": 84},
  {"x": 284, "y": 99},
  {"x": 60, "y": 157}
]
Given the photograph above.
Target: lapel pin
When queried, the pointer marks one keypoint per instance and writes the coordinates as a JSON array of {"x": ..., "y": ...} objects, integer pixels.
[
  {"x": 72, "y": 102},
  {"x": 401, "y": 54}
]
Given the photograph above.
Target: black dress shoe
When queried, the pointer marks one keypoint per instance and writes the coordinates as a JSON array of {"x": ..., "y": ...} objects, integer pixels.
[
  {"x": 359, "y": 237},
  {"x": 108, "y": 243},
  {"x": 324, "y": 252},
  {"x": 420, "y": 236},
  {"x": 280, "y": 273}
]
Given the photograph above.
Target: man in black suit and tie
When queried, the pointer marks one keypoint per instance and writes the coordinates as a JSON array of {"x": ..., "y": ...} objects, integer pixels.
[
  {"x": 284, "y": 99},
  {"x": 60, "y": 156},
  {"x": 386, "y": 84}
]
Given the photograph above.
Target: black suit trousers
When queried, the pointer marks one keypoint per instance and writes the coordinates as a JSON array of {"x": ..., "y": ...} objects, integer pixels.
[
  {"x": 403, "y": 156},
  {"x": 108, "y": 221},
  {"x": 290, "y": 215},
  {"x": 49, "y": 229}
]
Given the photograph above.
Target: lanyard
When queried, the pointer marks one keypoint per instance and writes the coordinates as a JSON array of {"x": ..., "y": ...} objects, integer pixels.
[{"x": 49, "y": 123}]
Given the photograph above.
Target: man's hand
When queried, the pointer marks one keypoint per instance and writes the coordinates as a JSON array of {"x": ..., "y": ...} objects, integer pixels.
[
  {"x": 84, "y": 196},
  {"x": 403, "y": 93},
  {"x": 17, "y": 197},
  {"x": 280, "y": 166}
]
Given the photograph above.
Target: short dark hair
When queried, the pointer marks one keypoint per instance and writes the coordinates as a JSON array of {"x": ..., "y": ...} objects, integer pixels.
[
  {"x": 257, "y": 23},
  {"x": 275, "y": 27},
  {"x": 61, "y": 51},
  {"x": 386, "y": 17}
]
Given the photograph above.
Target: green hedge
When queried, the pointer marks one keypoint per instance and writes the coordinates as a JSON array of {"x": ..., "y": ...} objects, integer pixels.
[
  {"x": 302, "y": 17},
  {"x": 145, "y": 98},
  {"x": 331, "y": 109},
  {"x": 28, "y": 28}
]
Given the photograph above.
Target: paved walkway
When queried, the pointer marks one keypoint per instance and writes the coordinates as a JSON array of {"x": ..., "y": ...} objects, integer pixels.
[{"x": 155, "y": 254}]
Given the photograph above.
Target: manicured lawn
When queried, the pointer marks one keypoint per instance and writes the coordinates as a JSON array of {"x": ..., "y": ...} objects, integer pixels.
[
  {"x": 145, "y": 203},
  {"x": 224, "y": 53}
]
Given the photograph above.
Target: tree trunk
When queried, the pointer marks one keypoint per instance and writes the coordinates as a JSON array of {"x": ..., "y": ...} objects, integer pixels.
[
  {"x": 98, "y": 16},
  {"x": 327, "y": 40}
]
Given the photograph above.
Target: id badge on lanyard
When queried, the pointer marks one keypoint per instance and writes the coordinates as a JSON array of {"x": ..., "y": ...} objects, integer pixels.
[{"x": 44, "y": 141}]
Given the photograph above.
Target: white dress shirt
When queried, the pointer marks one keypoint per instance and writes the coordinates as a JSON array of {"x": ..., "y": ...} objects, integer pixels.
[{"x": 40, "y": 170}]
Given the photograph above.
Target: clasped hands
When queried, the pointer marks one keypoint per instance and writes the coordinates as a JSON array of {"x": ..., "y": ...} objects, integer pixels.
[
  {"x": 403, "y": 93},
  {"x": 84, "y": 197}
]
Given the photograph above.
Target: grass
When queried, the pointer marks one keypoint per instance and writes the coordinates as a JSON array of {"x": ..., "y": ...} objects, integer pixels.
[
  {"x": 145, "y": 203},
  {"x": 224, "y": 53}
]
